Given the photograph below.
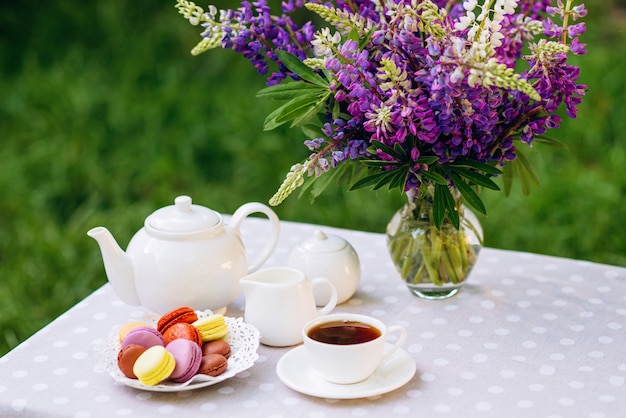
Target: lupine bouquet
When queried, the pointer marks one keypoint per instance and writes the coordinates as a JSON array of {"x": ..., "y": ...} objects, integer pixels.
[{"x": 414, "y": 95}]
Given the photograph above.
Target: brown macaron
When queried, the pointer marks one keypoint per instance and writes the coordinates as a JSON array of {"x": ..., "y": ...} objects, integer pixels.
[
  {"x": 213, "y": 365},
  {"x": 126, "y": 358},
  {"x": 216, "y": 347}
]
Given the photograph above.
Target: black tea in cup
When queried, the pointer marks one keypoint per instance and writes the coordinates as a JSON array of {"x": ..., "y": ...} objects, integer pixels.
[{"x": 344, "y": 332}]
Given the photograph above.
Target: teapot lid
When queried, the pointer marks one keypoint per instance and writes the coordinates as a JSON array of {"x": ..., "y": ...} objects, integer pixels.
[
  {"x": 183, "y": 217},
  {"x": 322, "y": 243}
]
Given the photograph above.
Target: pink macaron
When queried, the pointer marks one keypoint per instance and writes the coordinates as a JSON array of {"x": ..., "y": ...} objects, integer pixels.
[
  {"x": 143, "y": 336},
  {"x": 188, "y": 356}
]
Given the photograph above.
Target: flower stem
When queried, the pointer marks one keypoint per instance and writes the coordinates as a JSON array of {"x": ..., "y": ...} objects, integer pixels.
[{"x": 425, "y": 254}]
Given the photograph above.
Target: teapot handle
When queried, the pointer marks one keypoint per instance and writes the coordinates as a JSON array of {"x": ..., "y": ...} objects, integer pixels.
[{"x": 243, "y": 212}]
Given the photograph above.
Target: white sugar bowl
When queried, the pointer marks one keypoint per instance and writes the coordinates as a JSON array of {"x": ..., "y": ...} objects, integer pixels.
[{"x": 328, "y": 256}]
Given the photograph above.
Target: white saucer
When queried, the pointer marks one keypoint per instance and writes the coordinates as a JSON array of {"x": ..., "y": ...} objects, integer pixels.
[{"x": 294, "y": 370}]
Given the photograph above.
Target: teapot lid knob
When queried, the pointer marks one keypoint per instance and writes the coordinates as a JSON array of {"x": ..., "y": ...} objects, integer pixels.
[
  {"x": 323, "y": 243},
  {"x": 183, "y": 203},
  {"x": 320, "y": 235},
  {"x": 182, "y": 217}
]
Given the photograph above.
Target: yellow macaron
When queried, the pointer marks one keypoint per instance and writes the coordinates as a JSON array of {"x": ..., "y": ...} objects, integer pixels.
[
  {"x": 154, "y": 365},
  {"x": 211, "y": 327}
]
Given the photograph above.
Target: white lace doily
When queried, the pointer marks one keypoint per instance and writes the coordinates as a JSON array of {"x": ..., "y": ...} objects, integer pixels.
[{"x": 242, "y": 337}]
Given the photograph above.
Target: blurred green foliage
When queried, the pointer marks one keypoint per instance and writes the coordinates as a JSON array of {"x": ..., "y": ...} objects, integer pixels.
[{"x": 105, "y": 116}]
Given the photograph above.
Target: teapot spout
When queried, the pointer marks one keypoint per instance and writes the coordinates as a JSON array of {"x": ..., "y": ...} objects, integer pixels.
[{"x": 117, "y": 264}]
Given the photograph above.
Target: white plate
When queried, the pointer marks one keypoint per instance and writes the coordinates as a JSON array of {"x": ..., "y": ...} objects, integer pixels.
[
  {"x": 242, "y": 337},
  {"x": 296, "y": 372}
]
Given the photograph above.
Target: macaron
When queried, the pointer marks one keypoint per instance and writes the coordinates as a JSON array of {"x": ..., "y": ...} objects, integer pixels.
[
  {"x": 143, "y": 336},
  {"x": 188, "y": 356},
  {"x": 213, "y": 365},
  {"x": 129, "y": 326},
  {"x": 154, "y": 365},
  {"x": 182, "y": 314},
  {"x": 183, "y": 330},
  {"x": 216, "y": 347},
  {"x": 212, "y": 327},
  {"x": 127, "y": 357}
]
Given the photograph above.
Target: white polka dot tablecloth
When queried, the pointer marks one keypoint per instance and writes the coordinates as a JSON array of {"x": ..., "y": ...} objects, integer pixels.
[{"x": 527, "y": 336}]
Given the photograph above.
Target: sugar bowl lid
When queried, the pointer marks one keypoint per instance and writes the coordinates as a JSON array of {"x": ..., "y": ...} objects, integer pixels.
[
  {"x": 322, "y": 243},
  {"x": 182, "y": 217}
]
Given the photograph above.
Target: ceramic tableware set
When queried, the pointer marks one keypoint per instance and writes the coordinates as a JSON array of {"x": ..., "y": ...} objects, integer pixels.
[{"x": 186, "y": 255}]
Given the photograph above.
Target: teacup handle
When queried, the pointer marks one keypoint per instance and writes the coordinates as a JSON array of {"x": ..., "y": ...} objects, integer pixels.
[
  {"x": 398, "y": 343},
  {"x": 333, "y": 295},
  {"x": 243, "y": 212}
]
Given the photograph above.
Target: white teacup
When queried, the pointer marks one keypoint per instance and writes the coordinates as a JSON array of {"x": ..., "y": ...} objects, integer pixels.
[{"x": 347, "y": 348}]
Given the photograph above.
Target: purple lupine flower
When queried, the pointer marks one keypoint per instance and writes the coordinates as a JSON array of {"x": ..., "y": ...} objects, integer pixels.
[{"x": 409, "y": 87}]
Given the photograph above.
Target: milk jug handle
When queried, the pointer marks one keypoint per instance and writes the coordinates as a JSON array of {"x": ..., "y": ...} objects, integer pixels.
[
  {"x": 322, "y": 281},
  {"x": 243, "y": 212}
]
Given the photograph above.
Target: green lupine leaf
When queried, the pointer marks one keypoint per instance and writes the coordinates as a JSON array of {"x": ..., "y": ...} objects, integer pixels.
[
  {"x": 306, "y": 116},
  {"x": 363, "y": 41},
  {"x": 550, "y": 142},
  {"x": 323, "y": 181},
  {"x": 487, "y": 168},
  {"x": 291, "y": 110},
  {"x": 507, "y": 178},
  {"x": 428, "y": 160},
  {"x": 443, "y": 203},
  {"x": 368, "y": 181},
  {"x": 387, "y": 150},
  {"x": 311, "y": 130},
  {"x": 475, "y": 177},
  {"x": 434, "y": 176},
  {"x": 452, "y": 213},
  {"x": 317, "y": 184},
  {"x": 336, "y": 112},
  {"x": 527, "y": 175},
  {"x": 469, "y": 195},
  {"x": 287, "y": 91},
  {"x": 354, "y": 34},
  {"x": 399, "y": 179},
  {"x": 400, "y": 151},
  {"x": 386, "y": 178},
  {"x": 395, "y": 178},
  {"x": 294, "y": 64},
  {"x": 379, "y": 163}
]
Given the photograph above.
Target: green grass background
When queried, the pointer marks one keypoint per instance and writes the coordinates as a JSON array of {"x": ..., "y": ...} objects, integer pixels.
[{"x": 105, "y": 116}]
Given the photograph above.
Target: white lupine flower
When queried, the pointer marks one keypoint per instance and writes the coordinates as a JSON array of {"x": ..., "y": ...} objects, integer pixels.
[
  {"x": 457, "y": 75},
  {"x": 473, "y": 78},
  {"x": 315, "y": 63},
  {"x": 293, "y": 180},
  {"x": 323, "y": 41},
  {"x": 496, "y": 39},
  {"x": 470, "y": 5},
  {"x": 495, "y": 26},
  {"x": 509, "y": 6},
  {"x": 465, "y": 21}
]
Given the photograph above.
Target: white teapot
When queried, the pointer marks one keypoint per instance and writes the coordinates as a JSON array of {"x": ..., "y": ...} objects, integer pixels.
[{"x": 183, "y": 256}]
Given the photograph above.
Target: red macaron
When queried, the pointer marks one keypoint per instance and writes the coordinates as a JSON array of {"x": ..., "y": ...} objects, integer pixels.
[
  {"x": 182, "y": 330},
  {"x": 183, "y": 314}
]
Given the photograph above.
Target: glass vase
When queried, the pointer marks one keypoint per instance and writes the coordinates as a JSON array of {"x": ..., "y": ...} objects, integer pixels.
[{"x": 434, "y": 263}]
